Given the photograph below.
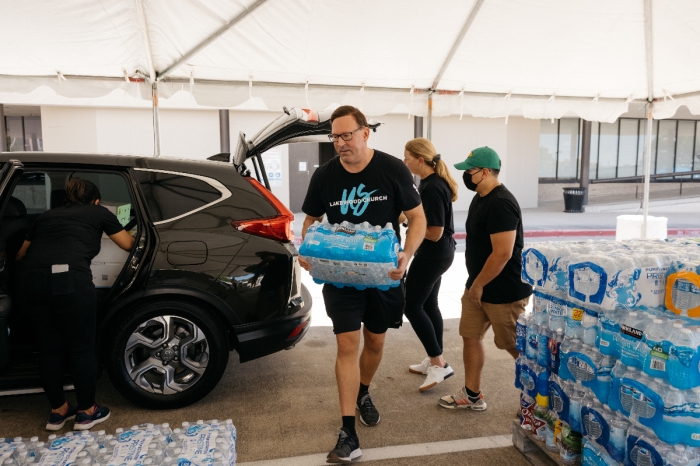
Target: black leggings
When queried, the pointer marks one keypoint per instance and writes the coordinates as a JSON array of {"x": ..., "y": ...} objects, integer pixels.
[
  {"x": 422, "y": 287},
  {"x": 62, "y": 307}
]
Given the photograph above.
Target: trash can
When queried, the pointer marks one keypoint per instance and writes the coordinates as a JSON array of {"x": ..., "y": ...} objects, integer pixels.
[{"x": 573, "y": 199}]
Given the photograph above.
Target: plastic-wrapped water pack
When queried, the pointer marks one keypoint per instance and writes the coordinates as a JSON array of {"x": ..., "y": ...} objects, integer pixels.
[{"x": 351, "y": 255}]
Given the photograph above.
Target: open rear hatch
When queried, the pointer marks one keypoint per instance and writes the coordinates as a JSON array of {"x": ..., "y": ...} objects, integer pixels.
[{"x": 295, "y": 125}]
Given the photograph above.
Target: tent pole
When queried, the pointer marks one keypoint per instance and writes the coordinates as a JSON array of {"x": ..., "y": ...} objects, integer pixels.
[
  {"x": 647, "y": 169},
  {"x": 156, "y": 122},
  {"x": 224, "y": 127},
  {"x": 417, "y": 133},
  {"x": 585, "y": 158},
  {"x": 429, "y": 131},
  {"x": 3, "y": 135}
]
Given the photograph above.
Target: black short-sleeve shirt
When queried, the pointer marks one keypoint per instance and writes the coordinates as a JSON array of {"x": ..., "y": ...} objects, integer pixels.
[
  {"x": 496, "y": 212},
  {"x": 437, "y": 204},
  {"x": 70, "y": 234},
  {"x": 377, "y": 195}
]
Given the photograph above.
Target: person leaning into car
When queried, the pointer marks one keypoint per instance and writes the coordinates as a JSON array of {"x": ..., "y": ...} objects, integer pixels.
[{"x": 55, "y": 275}]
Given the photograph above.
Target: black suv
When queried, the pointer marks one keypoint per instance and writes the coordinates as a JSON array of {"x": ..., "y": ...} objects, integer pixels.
[{"x": 214, "y": 268}]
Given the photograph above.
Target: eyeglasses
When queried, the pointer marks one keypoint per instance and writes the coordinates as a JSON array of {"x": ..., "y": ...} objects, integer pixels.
[{"x": 345, "y": 136}]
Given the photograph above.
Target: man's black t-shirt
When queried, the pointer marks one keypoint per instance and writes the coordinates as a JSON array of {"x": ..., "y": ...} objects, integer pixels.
[
  {"x": 496, "y": 212},
  {"x": 437, "y": 204},
  {"x": 70, "y": 234},
  {"x": 377, "y": 195}
]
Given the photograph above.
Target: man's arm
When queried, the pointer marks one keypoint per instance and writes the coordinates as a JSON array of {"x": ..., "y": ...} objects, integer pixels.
[
  {"x": 502, "y": 244},
  {"x": 308, "y": 221},
  {"x": 414, "y": 237}
]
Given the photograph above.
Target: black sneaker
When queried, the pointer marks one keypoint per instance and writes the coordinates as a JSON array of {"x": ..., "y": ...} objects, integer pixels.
[
  {"x": 368, "y": 413},
  {"x": 346, "y": 450}
]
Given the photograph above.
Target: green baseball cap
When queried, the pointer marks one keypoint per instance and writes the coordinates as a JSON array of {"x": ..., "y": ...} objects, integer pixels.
[{"x": 483, "y": 157}]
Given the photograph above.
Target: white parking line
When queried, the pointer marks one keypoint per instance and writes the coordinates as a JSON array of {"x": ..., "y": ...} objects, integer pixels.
[{"x": 398, "y": 451}]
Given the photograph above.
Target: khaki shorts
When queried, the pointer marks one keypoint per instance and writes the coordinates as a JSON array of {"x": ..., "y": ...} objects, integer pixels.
[{"x": 475, "y": 321}]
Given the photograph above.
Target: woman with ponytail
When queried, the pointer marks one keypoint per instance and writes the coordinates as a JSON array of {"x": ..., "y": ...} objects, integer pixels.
[{"x": 438, "y": 190}]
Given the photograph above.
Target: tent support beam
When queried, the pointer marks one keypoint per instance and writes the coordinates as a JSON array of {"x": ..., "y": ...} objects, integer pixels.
[
  {"x": 3, "y": 136},
  {"x": 211, "y": 38},
  {"x": 649, "y": 47},
  {"x": 457, "y": 43},
  {"x": 585, "y": 158},
  {"x": 141, "y": 14},
  {"x": 156, "y": 121},
  {"x": 429, "y": 129},
  {"x": 224, "y": 126},
  {"x": 647, "y": 169}
]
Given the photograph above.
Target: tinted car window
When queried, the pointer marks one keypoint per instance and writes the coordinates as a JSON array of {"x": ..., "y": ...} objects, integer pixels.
[
  {"x": 169, "y": 195},
  {"x": 34, "y": 189}
]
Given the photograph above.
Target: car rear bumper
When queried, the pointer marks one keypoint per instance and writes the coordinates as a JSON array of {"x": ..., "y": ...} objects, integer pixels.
[{"x": 264, "y": 338}]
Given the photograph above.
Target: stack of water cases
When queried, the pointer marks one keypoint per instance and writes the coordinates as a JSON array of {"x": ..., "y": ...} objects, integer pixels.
[
  {"x": 351, "y": 255},
  {"x": 210, "y": 443},
  {"x": 609, "y": 369}
]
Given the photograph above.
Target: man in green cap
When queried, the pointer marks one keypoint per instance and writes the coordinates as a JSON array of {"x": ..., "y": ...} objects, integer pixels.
[{"x": 494, "y": 296}]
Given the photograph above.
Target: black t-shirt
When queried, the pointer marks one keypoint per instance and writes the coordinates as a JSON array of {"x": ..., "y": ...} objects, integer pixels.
[
  {"x": 70, "y": 234},
  {"x": 377, "y": 195},
  {"x": 437, "y": 204},
  {"x": 496, "y": 212}
]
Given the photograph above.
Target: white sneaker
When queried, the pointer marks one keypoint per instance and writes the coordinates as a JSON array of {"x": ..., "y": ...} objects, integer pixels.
[
  {"x": 436, "y": 374},
  {"x": 421, "y": 368}
]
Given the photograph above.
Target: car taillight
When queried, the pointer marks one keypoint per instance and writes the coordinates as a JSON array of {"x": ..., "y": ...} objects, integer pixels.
[
  {"x": 279, "y": 227},
  {"x": 297, "y": 330}
]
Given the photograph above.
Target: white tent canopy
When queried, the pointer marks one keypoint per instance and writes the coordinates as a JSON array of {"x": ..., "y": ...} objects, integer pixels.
[{"x": 487, "y": 58}]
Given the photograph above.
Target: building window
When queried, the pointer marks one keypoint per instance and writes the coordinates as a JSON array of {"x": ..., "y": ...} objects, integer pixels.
[
  {"x": 23, "y": 133},
  {"x": 617, "y": 149}
]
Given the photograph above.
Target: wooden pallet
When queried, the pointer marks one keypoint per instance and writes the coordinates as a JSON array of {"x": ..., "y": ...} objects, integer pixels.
[{"x": 534, "y": 451}]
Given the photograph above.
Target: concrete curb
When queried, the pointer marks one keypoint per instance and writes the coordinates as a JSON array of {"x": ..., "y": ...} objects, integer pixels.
[{"x": 570, "y": 233}]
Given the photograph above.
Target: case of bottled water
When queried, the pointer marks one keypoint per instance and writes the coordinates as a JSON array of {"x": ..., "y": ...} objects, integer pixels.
[
  {"x": 346, "y": 254},
  {"x": 202, "y": 443},
  {"x": 614, "y": 324},
  {"x": 673, "y": 414},
  {"x": 587, "y": 365}
]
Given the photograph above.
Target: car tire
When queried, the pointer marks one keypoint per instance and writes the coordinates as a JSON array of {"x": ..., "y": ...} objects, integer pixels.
[{"x": 167, "y": 354}]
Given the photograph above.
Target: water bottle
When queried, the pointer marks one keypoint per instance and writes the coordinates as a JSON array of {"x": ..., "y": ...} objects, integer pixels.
[
  {"x": 532, "y": 340},
  {"x": 543, "y": 354},
  {"x": 608, "y": 332},
  {"x": 527, "y": 407},
  {"x": 683, "y": 347},
  {"x": 657, "y": 347},
  {"x": 570, "y": 452},
  {"x": 539, "y": 424},
  {"x": 575, "y": 398},
  {"x": 555, "y": 340},
  {"x": 631, "y": 335},
  {"x": 619, "y": 425},
  {"x": 539, "y": 308},
  {"x": 677, "y": 457},
  {"x": 165, "y": 430},
  {"x": 521, "y": 332},
  {"x": 589, "y": 324},
  {"x": 557, "y": 311},
  {"x": 32, "y": 447},
  {"x": 542, "y": 383},
  {"x": 549, "y": 437}
]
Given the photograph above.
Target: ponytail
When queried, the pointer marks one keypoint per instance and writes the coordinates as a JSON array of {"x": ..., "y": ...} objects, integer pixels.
[
  {"x": 424, "y": 149},
  {"x": 79, "y": 191}
]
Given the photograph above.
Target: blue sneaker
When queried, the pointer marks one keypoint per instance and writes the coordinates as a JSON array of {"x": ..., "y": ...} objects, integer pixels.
[
  {"x": 56, "y": 421},
  {"x": 84, "y": 421}
]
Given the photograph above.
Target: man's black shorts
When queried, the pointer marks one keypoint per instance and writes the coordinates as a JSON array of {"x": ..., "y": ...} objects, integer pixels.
[{"x": 379, "y": 310}]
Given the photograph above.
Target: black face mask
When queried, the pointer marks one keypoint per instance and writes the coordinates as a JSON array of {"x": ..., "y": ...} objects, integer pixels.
[{"x": 471, "y": 186}]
